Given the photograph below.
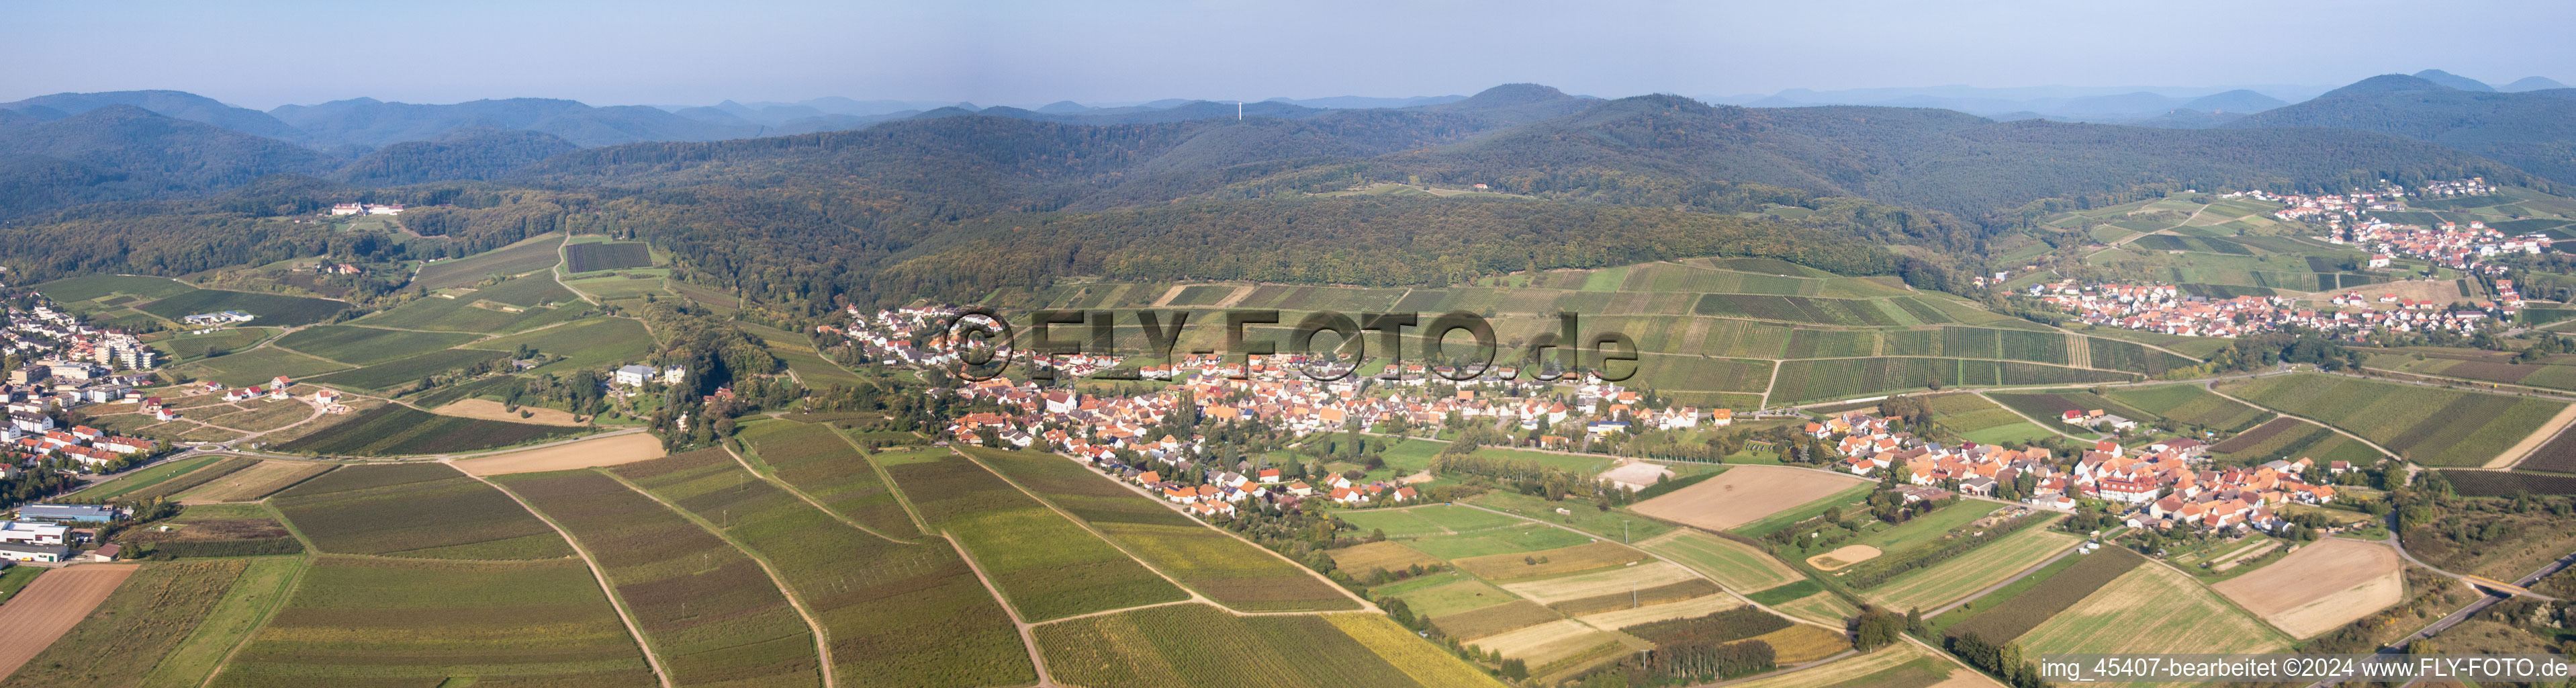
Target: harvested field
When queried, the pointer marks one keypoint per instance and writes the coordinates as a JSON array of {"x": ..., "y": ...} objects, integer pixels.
[
  {"x": 1391, "y": 556},
  {"x": 2324, "y": 585},
  {"x": 151, "y": 613},
  {"x": 1744, "y": 494},
  {"x": 1697, "y": 606},
  {"x": 1824, "y": 607},
  {"x": 603, "y": 451},
  {"x": 50, "y": 607},
  {"x": 1736, "y": 565},
  {"x": 1621, "y": 580},
  {"x": 1843, "y": 556},
  {"x": 1549, "y": 562},
  {"x": 2152, "y": 609},
  {"x": 1496, "y": 620},
  {"x": 487, "y": 409},
  {"x": 1547, "y": 643},
  {"x": 250, "y": 484}
]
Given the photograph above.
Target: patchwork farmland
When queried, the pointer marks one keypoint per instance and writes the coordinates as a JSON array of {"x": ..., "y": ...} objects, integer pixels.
[{"x": 1744, "y": 494}]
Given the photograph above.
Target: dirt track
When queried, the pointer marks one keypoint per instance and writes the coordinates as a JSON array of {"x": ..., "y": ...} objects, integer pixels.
[{"x": 49, "y": 607}]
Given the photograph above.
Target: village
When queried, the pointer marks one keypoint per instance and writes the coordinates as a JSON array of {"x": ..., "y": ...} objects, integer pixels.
[
  {"x": 2348, "y": 221},
  {"x": 2165, "y": 484},
  {"x": 2165, "y": 308}
]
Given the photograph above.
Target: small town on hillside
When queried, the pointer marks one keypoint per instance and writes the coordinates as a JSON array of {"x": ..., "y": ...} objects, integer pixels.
[{"x": 2347, "y": 220}]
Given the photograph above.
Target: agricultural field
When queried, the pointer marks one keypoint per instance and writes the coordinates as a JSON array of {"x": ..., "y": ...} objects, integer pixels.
[
  {"x": 1442, "y": 595},
  {"x": 870, "y": 593},
  {"x": 256, "y": 366},
  {"x": 2427, "y": 425},
  {"x": 258, "y": 416},
  {"x": 148, "y": 616},
  {"x": 214, "y": 530},
  {"x": 593, "y": 343},
  {"x": 396, "y": 430},
  {"x": 2291, "y": 438},
  {"x": 2321, "y": 587},
  {"x": 254, "y": 483},
  {"x": 2024, "y": 605},
  {"x": 1389, "y": 555},
  {"x": 597, "y": 256},
  {"x": 594, "y": 452},
  {"x": 1738, "y": 566},
  {"x": 2557, "y": 372},
  {"x": 368, "y": 621},
  {"x": 1616, "y": 525},
  {"x": 2190, "y": 404},
  {"x": 1819, "y": 380},
  {"x": 1745, "y": 494},
  {"x": 818, "y": 462},
  {"x": 1590, "y": 592},
  {"x": 1046, "y": 565},
  {"x": 48, "y": 607},
  {"x": 271, "y": 309},
  {"x": 504, "y": 307},
  {"x": 1233, "y": 572},
  {"x": 1523, "y": 537},
  {"x": 263, "y": 585},
  {"x": 419, "y": 510},
  {"x": 146, "y": 477},
  {"x": 407, "y": 370},
  {"x": 364, "y": 346},
  {"x": 1941, "y": 583},
  {"x": 1848, "y": 497},
  {"x": 1900, "y": 665},
  {"x": 710, "y": 613},
  {"x": 528, "y": 255},
  {"x": 1197, "y": 646},
  {"x": 2477, "y": 483},
  {"x": 2152, "y": 609},
  {"x": 1549, "y": 562},
  {"x": 230, "y": 340}
]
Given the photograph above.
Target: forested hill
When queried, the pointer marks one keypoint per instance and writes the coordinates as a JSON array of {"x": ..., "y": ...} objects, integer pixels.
[
  {"x": 155, "y": 155},
  {"x": 1648, "y": 150},
  {"x": 2531, "y": 130},
  {"x": 1936, "y": 159}
]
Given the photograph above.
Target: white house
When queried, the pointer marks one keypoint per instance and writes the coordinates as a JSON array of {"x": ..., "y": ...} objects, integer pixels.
[
  {"x": 29, "y": 533},
  {"x": 631, "y": 375}
]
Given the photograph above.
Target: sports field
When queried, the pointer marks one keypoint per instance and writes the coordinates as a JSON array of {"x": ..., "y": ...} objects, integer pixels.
[{"x": 1744, "y": 494}]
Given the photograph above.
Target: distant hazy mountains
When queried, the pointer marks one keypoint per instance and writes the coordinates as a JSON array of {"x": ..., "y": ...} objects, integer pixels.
[
  {"x": 2534, "y": 129},
  {"x": 69, "y": 149}
]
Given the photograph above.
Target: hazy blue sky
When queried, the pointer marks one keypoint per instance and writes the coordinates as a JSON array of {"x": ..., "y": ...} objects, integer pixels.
[{"x": 262, "y": 54}]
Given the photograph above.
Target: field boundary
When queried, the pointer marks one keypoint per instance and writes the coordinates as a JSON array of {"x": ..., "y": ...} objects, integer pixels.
[
  {"x": 808, "y": 499},
  {"x": 2514, "y": 455},
  {"x": 265, "y": 614}
]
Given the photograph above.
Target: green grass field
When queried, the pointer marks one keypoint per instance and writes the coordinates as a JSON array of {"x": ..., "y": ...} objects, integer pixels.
[
  {"x": 146, "y": 477},
  {"x": 599, "y": 342},
  {"x": 189, "y": 347},
  {"x": 92, "y": 287},
  {"x": 1925, "y": 528}
]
